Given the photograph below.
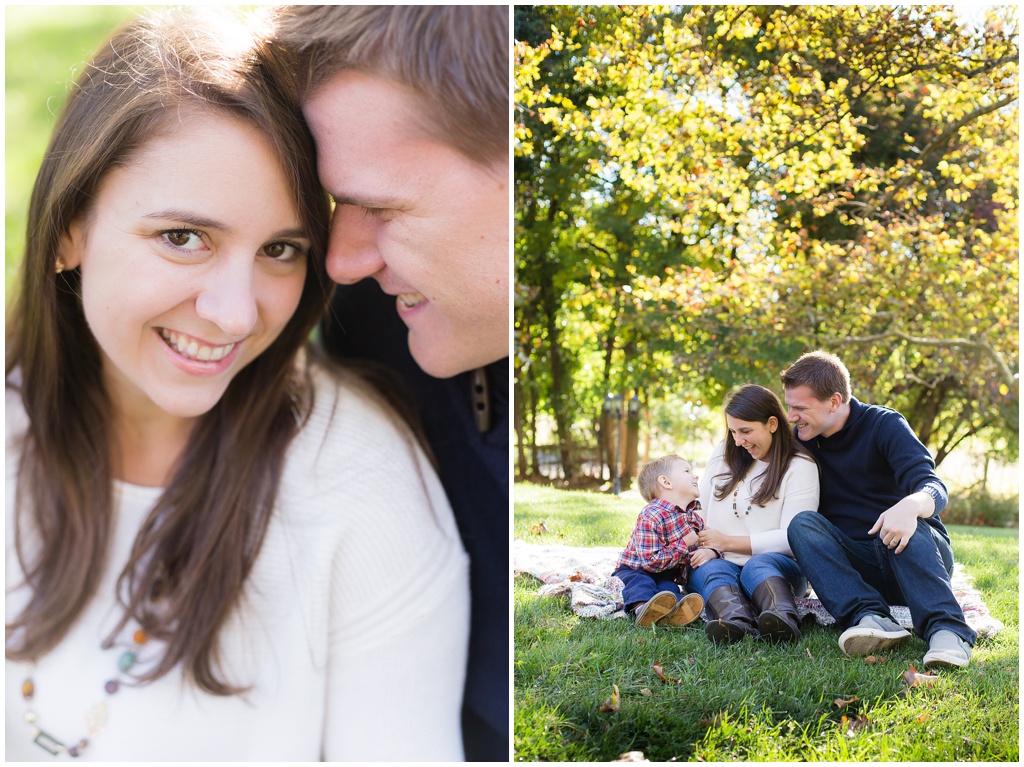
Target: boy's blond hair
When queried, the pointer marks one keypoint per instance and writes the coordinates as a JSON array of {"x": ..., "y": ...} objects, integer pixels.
[{"x": 649, "y": 473}]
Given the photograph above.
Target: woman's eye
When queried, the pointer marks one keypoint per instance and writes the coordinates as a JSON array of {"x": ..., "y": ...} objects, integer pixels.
[
  {"x": 283, "y": 251},
  {"x": 184, "y": 239}
]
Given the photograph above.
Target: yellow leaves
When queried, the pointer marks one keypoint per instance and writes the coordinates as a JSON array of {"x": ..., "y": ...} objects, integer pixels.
[{"x": 611, "y": 705}]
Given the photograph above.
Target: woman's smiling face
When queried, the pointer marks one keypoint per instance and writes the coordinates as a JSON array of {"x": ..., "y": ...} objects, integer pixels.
[
  {"x": 753, "y": 436},
  {"x": 192, "y": 262}
]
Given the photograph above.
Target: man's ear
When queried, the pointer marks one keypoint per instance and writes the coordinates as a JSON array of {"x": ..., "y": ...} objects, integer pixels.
[{"x": 71, "y": 245}]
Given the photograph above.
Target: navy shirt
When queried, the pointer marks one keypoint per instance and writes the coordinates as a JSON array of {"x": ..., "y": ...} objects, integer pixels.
[
  {"x": 870, "y": 464},
  {"x": 474, "y": 469}
]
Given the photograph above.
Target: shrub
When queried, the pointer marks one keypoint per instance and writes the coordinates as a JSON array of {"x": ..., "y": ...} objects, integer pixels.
[{"x": 982, "y": 509}]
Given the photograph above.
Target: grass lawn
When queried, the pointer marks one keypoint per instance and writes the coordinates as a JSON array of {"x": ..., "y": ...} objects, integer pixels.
[{"x": 751, "y": 701}]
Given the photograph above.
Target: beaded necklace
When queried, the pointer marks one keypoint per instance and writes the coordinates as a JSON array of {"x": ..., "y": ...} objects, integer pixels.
[
  {"x": 95, "y": 717},
  {"x": 735, "y": 495}
]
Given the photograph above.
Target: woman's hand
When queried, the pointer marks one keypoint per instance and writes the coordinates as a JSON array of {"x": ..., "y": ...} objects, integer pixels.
[{"x": 714, "y": 539}]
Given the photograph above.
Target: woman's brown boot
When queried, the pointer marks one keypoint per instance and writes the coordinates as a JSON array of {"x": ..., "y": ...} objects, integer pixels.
[
  {"x": 730, "y": 615},
  {"x": 778, "y": 618}
]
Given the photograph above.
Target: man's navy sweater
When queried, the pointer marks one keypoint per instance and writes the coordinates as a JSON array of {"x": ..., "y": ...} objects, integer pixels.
[{"x": 870, "y": 464}]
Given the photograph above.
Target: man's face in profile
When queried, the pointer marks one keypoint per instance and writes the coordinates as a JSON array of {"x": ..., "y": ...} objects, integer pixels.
[{"x": 427, "y": 223}]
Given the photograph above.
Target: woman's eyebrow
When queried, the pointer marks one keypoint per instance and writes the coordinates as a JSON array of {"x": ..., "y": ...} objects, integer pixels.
[
  {"x": 190, "y": 218},
  {"x": 204, "y": 222}
]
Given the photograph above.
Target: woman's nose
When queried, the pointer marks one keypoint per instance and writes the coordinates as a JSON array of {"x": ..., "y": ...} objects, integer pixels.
[{"x": 228, "y": 299}]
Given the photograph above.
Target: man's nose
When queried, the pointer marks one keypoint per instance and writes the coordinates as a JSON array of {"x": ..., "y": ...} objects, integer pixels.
[{"x": 352, "y": 253}]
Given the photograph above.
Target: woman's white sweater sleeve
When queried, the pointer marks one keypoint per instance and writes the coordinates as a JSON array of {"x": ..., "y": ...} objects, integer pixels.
[
  {"x": 398, "y": 623},
  {"x": 798, "y": 492}
]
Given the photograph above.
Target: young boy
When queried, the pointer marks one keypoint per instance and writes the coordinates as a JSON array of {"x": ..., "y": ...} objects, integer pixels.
[{"x": 655, "y": 559}]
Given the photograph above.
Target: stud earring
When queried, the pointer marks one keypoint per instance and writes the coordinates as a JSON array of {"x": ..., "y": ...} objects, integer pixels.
[{"x": 60, "y": 265}]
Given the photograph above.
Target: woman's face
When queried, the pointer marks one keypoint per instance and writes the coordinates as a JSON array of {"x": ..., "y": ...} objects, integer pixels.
[
  {"x": 753, "y": 436},
  {"x": 192, "y": 260}
]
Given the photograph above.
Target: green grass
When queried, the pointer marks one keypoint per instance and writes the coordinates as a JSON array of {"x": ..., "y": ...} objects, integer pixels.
[
  {"x": 750, "y": 701},
  {"x": 44, "y": 48}
]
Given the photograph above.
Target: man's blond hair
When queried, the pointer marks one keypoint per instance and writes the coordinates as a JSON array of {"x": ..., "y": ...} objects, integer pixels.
[
  {"x": 454, "y": 58},
  {"x": 648, "y": 477}
]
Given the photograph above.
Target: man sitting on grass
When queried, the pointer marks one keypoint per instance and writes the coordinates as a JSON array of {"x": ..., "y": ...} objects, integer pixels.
[
  {"x": 654, "y": 563},
  {"x": 876, "y": 538}
]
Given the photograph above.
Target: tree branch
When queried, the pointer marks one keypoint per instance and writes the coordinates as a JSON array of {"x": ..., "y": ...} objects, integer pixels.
[{"x": 981, "y": 345}]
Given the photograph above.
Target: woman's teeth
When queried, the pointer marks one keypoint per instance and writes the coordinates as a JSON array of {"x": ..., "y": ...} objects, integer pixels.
[{"x": 189, "y": 347}]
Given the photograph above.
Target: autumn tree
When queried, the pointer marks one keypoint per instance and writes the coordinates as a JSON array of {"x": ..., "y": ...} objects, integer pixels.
[{"x": 703, "y": 193}]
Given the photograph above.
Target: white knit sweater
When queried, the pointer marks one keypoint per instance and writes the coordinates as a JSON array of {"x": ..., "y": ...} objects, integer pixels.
[
  {"x": 765, "y": 525},
  {"x": 354, "y": 630}
]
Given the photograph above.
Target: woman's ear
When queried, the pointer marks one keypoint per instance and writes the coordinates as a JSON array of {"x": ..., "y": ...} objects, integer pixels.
[
  {"x": 71, "y": 245},
  {"x": 773, "y": 424}
]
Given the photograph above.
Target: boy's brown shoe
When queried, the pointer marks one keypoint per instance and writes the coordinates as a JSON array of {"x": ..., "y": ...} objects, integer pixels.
[
  {"x": 654, "y": 609},
  {"x": 688, "y": 609}
]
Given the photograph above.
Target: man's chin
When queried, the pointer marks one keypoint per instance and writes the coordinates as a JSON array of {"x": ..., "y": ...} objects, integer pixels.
[{"x": 444, "y": 360}]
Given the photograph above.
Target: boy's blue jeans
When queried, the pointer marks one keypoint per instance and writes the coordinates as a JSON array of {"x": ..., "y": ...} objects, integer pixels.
[
  {"x": 720, "y": 572},
  {"x": 641, "y": 585},
  {"x": 854, "y": 579}
]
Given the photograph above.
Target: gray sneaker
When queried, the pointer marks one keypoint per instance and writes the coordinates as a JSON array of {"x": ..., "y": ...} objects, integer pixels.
[
  {"x": 947, "y": 649},
  {"x": 872, "y": 634}
]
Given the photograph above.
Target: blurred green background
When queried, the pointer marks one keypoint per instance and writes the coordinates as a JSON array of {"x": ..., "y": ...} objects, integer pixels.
[{"x": 45, "y": 46}]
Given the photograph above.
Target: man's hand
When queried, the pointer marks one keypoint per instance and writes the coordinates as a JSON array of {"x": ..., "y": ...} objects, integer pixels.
[
  {"x": 897, "y": 524},
  {"x": 700, "y": 556}
]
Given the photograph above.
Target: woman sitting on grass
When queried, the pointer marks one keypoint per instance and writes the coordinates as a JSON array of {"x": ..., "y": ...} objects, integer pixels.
[{"x": 755, "y": 482}]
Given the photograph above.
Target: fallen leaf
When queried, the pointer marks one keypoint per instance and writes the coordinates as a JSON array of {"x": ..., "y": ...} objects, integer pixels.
[
  {"x": 913, "y": 678},
  {"x": 575, "y": 578},
  {"x": 859, "y": 722},
  {"x": 874, "y": 660},
  {"x": 646, "y": 692},
  {"x": 808, "y": 651},
  {"x": 611, "y": 706},
  {"x": 539, "y": 528},
  {"x": 660, "y": 673},
  {"x": 840, "y": 703},
  {"x": 924, "y": 718}
]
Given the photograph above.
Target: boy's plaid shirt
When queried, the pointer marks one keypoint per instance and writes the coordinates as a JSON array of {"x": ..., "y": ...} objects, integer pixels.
[{"x": 657, "y": 540}]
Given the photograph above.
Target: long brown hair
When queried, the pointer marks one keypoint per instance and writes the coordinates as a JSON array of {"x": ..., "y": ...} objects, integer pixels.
[
  {"x": 757, "y": 404},
  {"x": 201, "y": 539}
]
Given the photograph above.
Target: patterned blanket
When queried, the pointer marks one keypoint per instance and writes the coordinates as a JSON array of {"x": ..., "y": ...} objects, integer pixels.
[{"x": 585, "y": 574}]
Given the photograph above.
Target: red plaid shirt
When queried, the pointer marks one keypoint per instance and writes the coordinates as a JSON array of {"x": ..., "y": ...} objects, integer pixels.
[{"x": 657, "y": 540}]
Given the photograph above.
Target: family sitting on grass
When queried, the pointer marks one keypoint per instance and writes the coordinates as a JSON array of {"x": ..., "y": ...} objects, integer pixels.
[{"x": 847, "y": 500}]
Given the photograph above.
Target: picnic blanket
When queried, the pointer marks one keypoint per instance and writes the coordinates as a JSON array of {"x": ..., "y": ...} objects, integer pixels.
[{"x": 585, "y": 574}]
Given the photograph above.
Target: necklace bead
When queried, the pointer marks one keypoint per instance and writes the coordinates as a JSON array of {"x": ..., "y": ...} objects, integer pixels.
[
  {"x": 735, "y": 495},
  {"x": 95, "y": 717}
]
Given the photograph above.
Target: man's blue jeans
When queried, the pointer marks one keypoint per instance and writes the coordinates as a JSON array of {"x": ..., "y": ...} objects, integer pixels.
[
  {"x": 854, "y": 579},
  {"x": 720, "y": 572}
]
